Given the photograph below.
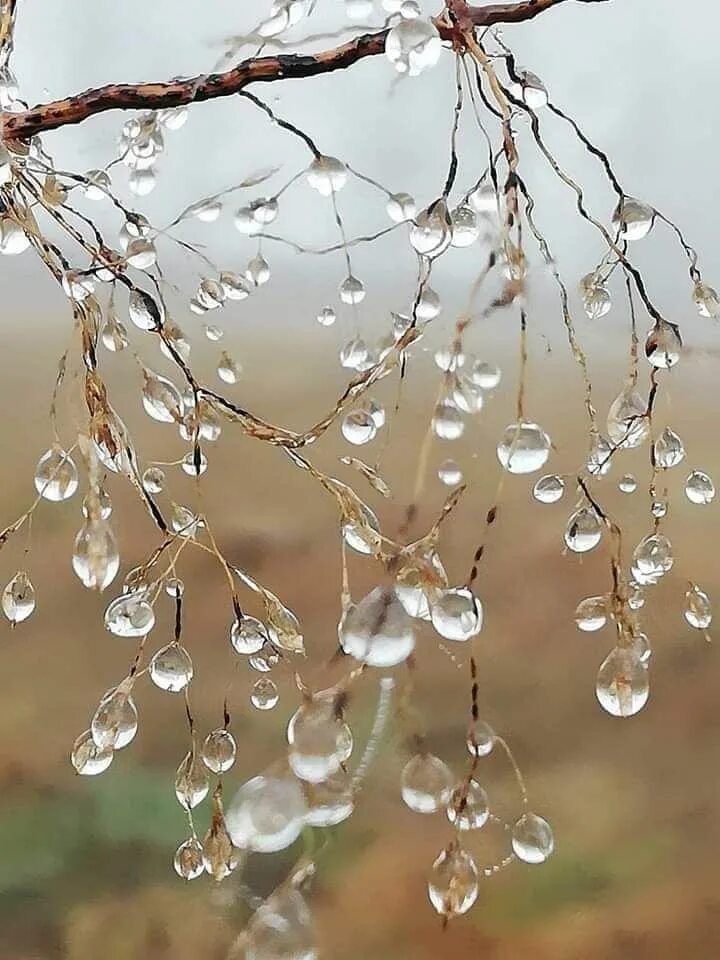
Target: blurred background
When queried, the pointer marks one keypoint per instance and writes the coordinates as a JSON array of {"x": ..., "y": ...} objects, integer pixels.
[{"x": 86, "y": 863}]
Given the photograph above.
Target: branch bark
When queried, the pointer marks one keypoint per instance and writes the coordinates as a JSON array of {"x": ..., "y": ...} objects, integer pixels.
[{"x": 156, "y": 96}]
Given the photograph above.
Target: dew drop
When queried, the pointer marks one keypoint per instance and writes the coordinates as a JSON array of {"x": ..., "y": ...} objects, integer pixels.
[
  {"x": 56, "y": 476},
  {"x": 264, "y": 695},
  {"x": 622, "y": 685},
  {"x": 698, "y": 611},
  {"x": 583, "y": 531},
  {"x": 426, "y": 783},
  {"x": 450, "y": 473},
  {"x": 129, "y": 616},
  {"x": 532, "y": 839},
  {"x": 359, "y": 427},
  {"x": 699, "y": 488},
  {"x": 549, "y": 489},
  {"x": 18, "y": 598},
  {"x": 377, "y": 630},
  {"x": 171, "y": 668},
  {"x": 453, "y": 883},
  {"x": 591, "y": 614},
  {"x": 457, "y": 614},
  {"x": 523, "y": 448},
  {"x": 218, "y": 751},
  {"x": 188, "y": 860}
]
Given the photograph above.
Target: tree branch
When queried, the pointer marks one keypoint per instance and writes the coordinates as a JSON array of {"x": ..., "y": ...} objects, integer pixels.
[{"x": 157, "y": 96}]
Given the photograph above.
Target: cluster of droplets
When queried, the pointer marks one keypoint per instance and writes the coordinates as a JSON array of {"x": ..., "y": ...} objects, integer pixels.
[{"x": 142, "y": 141}]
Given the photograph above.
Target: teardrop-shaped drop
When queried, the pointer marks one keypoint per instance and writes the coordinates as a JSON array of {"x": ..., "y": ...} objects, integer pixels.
[
  {"x": 95, "y": 557},
  {"x": 377, "y": 630},
  {"x": 627, "y": 421},
  {"x": 114, "y": 723},
  {"x": 622, "y": 685},
  {"x": 591, "y": 614},
  {"x": 669, "y": 449},
  {"x": 633, "y": 219},
  {"x": 171, "y": 668},
  {"x": 18, "y": 598},
  {"x": 453, "y": 883},
  {"x": 698, "y": 611},
  {"x": 191, "y": 782},
  {"x": 426, "y": 783},
  {"x": 161, "y": 398},
  {"x": 56, "y": 476},
  {"x": 219, "y": 750},
  {"x": 188, "y": 860},
  {"x": 652, "y": 558},
  {"x": 663, "y": 345},
  {"x": 88, "y": 759},
  {"x": 431, "y": 231},
  {"x": 129, "y": 616},
  {"x": 699, "y": 488},
  {"x": 583, "y": 531}
]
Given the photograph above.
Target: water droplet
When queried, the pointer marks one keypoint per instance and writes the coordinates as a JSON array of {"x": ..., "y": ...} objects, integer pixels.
[
  {"x": 248, "y": 636},
  {"x": 597, "y": 301},
  {"x": 234, "y": 286},
  {"x": 319, "y": 741},
  {"x": 627, "y": 483},
  {"x": 191, "y": 782},
  {"x": 267, "y": 814},
  {"x": 352, "y": 290},
  {"x": 129, "y": 616},
  {"x": 359, "y": 427},
  {"x": 549, "y": 489},
  {"x": 698, "y": 611},
  {"x": 627, "y": 422},
  {"x": 281, "y": 929},
  {"x": 18, "y": 598},
  {"x": 378, "y": 631},
  {"x": 583, "y": 531},
  {"x": 663, "y": 345},
  {"x": 228, "y": 370},
  {"x": 161, "y": 398},
  {"x": 193, "y": 467},
  {"x": 450, "y": 473},
  {"x": 264, "y": 694},
  {"x": 327, "y": 175},
  {"x": 188, "y": 860},
  {"x": 467, "y": 807},
  {"x": 153, "y": 480},
  {"x": 115, "y": 722},
  {"x": 706, "y": 300},
  {"x": 95, "y": 557},
  {"x": 171, "y": 668},
  {"x": 401, "y": 207},
  {"x": 413, "y": 45},
  {"x": 56, "y": 476},
  {"x": 114, "y": 335},
  {"x": 524, "y": 448},
  {"x": 530, "y": 89},
  {"x": 481, "y": 741},
  {"x": 258, "y": 271},
  {"x": 219, "y": 750},
  {"x": 330, "y": 802},
  {"x": 326, "y": 317},
  {"x": 447, "y": 421},
  {"x": 88, "y": 759},
  {"x": 633, "y": 219},
  {"x": 465, "y": 230},
  {"x": 622, "y": 685},
  {"x": 426, "y": 783},
  {"x": 265, "y": 209},
  {"x": 532, "y": 839},
  {"x": 669, "y": 449},
  {"x": 485, "y": 375},
  {"x": 453, "y": 883},
  {"x": 599, "y": 458},
  {"x": 699, "y": 488},
  {"x": 143, "y": 310},
  {"x": 457, "y": 614},
  {"x": 362, "y": 532},
  {"x": 592, "y": 614},
  {"x": 140, "y": 253},
  {"x": 431, "y": 231}
]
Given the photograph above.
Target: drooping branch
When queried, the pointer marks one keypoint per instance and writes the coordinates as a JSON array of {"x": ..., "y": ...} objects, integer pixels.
[{"x": 156, "y": 96}]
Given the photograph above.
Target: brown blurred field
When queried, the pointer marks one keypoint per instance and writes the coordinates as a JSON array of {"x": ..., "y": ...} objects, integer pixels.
[{"x": 85, "y": 864}]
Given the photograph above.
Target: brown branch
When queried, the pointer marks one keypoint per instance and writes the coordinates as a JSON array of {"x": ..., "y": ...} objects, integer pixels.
[{"x": 452, "y": 25}]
